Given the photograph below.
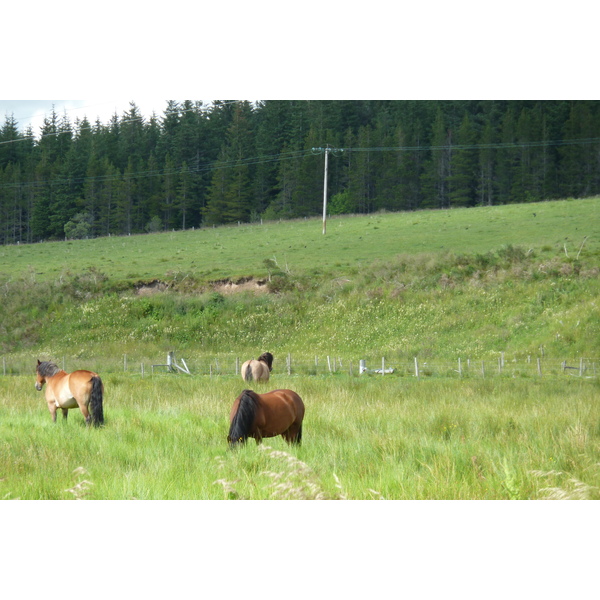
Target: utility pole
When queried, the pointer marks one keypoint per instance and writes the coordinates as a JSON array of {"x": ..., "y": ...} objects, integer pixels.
[{"x": 326, "y": 150}]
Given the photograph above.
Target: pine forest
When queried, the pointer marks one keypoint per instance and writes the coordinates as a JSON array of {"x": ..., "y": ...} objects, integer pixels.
[{"x": 203, "y": 164}]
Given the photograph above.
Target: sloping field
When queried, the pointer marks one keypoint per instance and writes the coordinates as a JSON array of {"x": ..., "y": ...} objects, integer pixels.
[{"x": 234, "y": 252}]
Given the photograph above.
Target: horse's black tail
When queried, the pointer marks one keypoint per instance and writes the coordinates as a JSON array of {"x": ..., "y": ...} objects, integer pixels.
[
  {"x": 243, "y": 419},
  {"x": 248, "y": 373},
  {"x": 96, "y": 410}
]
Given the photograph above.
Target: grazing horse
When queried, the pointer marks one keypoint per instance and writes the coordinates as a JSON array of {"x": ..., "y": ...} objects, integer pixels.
[
  {"x": 279, "y": 412},
  {"x": 70, "y": 390},
  {"x": 258, "y": 370}
]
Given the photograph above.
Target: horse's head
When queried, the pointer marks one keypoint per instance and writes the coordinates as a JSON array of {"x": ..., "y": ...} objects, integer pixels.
[
  {"x": 44, "y": 370},
  {"x": 235, "y": 443},
  {"x": 40, "y": 379},
  {"x": 267, "y": 358}
]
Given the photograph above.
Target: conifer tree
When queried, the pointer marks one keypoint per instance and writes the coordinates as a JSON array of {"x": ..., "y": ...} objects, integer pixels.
[
  {"x": 437, "y": 168},
  {"x": 463, "y": 179}
]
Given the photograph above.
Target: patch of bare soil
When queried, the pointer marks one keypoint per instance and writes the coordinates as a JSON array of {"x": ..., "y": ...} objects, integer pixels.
[
  {"x": 244, "y": 284},
  {"x": 222, "y": 286},
  {"x": 150, "y": 288}
]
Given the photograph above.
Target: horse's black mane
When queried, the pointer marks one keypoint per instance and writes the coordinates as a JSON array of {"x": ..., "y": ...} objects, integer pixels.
[
  {"x": 243, "y": 418},
  {"x": 267, "y": 358},
  {"x": 47, "y": 369}
]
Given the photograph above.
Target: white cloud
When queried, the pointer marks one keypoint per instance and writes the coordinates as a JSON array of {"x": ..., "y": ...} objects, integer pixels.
[{"x": 33, "y": 112}]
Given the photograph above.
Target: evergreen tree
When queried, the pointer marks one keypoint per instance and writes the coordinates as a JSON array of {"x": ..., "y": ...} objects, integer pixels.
[
  {"x": 507, "y": 157},
  {"x": 108, "y": 194},
  {"x": 463, "y": 178},
  {"x": 230, "y": 199},
  {"x": 125, "y": 202},
  {"x": 361, "y": 180},
  {"x": 183, "y": 198},
  {"x": 11, "y": 144},
  {"x": 168, "y": 193},
  {"x": 486, "y": 190},
  {"x": 437, "y": 168},
  {"x": 281, "y": 207},
  {"x": 307, "y": 193},
  {"x": 579, "y": 155}
]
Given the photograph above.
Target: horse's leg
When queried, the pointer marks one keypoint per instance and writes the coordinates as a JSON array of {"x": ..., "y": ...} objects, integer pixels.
[
  {"x": 84, "y": 411},
  {"x": 65, "y": 413},
  {"x": 52, "y": 409},
  {"x": 293, "y": 435}
]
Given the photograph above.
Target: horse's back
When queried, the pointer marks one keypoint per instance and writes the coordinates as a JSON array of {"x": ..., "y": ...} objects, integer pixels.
[
  {"x": 255, "y": 370},
  {"x": 279, "y": 401},
  {"x": 80, "y": 382}
]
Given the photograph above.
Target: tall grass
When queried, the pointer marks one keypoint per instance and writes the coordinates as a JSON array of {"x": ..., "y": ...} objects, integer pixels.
[{"x": 364, "y": 438}]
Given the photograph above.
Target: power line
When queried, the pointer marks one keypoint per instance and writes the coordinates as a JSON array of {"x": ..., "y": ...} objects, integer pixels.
[
  {"x": 213, "y": 166},
  {"x": 493, "y": 146},
  {"x": 299, "y": 154}
]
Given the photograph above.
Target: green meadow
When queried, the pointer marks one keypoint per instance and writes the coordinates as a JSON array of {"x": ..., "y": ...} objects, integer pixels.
[
  {"x": 364, "y": 438},
  {"x": 300, "y": 246},
  {"x": 518, "y": 282}
]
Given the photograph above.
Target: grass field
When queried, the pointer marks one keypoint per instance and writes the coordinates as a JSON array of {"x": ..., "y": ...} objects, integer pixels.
[
  {"x": 477, "y": 284},
  {"x": 350, "y": 242},
  {"x": 364, "y": 438}
]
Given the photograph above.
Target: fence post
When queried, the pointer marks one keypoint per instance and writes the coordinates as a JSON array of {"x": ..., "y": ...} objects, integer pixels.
[
  {"x": 581, "y": 367},
  {"x": 483, "y": 369},
  {"x": 237, "y": 365},
  {"x": 539, "y": 367},
  {"x": 382, "y": 365},
  {"x": 459, "y": 368},
  {"x": 124, "y": 362},
  {"x": 417, "y": 368},
  {"x": 142, "y": 370},
  {"x": 289, "y": 364}
]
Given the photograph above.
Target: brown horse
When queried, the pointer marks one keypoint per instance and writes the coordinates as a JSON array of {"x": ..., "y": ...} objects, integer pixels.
[
  {"x": 279, "y": 412},
  {"x": 71, "y": 390},
  {"x": 258, "y": 370}
]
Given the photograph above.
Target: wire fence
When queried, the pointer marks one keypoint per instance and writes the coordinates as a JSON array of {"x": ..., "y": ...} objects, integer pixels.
[{"x": 228, "y": 365}]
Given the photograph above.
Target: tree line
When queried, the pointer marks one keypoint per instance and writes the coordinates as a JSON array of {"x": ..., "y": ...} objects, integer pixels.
[{"x": 234, "y": 161}]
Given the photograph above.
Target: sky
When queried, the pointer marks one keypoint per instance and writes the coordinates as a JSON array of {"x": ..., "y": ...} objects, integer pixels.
[{"x": 33, "y": 112}]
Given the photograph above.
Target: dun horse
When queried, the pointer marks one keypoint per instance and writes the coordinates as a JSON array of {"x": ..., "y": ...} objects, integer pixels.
[
  {"x": 81, "y": 389},
  {"x": 258, "y": 370},
  {"x": 266, "y": 415}
]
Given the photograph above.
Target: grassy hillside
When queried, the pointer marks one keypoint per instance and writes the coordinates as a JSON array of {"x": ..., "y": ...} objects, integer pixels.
[
  {"x": 467, "y": 282},
  {"x": 350, "y": 243}
]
